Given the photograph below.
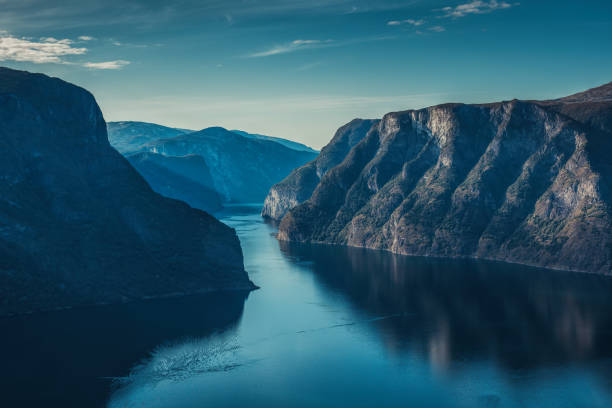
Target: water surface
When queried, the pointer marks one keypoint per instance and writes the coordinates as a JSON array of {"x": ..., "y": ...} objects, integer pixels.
[{"x": 332, "y": 327}]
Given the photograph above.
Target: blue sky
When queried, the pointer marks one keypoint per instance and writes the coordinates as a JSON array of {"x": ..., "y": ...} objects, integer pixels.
[{"x": 300, "y": 69}]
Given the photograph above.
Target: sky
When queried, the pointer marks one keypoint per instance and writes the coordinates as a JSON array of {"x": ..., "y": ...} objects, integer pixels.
[{"x": 299, "y": 69}]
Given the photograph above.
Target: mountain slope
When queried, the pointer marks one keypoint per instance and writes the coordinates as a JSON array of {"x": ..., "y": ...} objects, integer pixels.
[
  {"x": 242, "y": 169},
  {"x": 78, "y": 225},
  {"x": 525, "y": 182},
  {"x": 185, "y": 178},
  {"x": 298, "y": 186},
  {"x": 128, "y": 137},
  {"x": 287, "y": 143}
]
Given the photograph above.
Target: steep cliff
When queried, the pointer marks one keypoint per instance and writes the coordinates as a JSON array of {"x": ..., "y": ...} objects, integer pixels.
[
  {"x": 298, "y": 186},
  {"x": 78, "y": 225},
  {"x": 524, "y": 182}
]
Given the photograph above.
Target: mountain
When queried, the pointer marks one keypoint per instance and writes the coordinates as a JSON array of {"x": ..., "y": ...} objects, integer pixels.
[
  {"x": 287, "y": 143},
  {"x": 519, "y": 181},
  {"x": 242, "y": 169},
  {"x": 298, "y": 186},
  {"x": 129, "y": 137},
  {"x": 242, "y": 166},
  {"x": 185, "y": 178},
  {"x": 78, "y": 225}
]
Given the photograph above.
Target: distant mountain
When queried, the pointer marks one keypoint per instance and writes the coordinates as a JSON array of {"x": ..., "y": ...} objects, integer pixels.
[
  {"x": 78, "y": 225},
  {"x": 528, "y": 182},
  {"x": 184, "y": 178},
  {"x": 242, "y": 166},
  {"x": 242, "y": 169},
  {"x": 601, "y": 93},
  {"x": 287, "y": 143},
  {"x": 298, "y": 186},
  {"x": 129, "y": 137}
]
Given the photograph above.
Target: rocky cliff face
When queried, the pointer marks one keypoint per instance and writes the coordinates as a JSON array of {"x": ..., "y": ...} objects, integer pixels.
[
  {"x": 242, "y": 169},
  {"x": 298, "y": 186},
  {"x": 524, "y": 182},
  {"x": 78, "y": 225}
]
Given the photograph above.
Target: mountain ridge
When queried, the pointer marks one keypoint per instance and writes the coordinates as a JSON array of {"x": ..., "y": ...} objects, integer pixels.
[{"x": 519, "y": 181}]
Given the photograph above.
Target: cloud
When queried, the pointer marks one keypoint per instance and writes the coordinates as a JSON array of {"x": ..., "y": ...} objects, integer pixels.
[
  {"x": 475, "y": 7},
  {"x": 410, "y": 21},
  {"x": 437, "y": 29},
  {"x": 293, "y": 46},
  {"x": 299, "y": 45},
  {"x": 117, "y": 64},
  {"x": 44, "y": 50},
  {"x": 86, "y": 38}
]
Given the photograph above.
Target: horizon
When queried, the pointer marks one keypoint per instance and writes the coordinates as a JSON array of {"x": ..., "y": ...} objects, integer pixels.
[{"x": 299, "y": 70}]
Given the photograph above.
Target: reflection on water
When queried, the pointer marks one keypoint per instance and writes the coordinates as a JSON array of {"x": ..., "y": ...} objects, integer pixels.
[
  {"x": 70, "y": 358},
  {"x": 330, "y": 327},
  {"x": 335, "y": 326},
  {"x": 460, "y": 310}
]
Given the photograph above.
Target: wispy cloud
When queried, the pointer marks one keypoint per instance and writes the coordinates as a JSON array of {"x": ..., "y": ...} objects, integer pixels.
[
  {"x": 298, "y": 45},
  {"x": 437, "y": 29},
  {"x": 293, "y": 46},
  {"x": 44, "y": 50},
  {"x": 475, "y": 7},
  {"x": 86, "y": 38},
  {"x": 48, "y": 50},
  {"x": 117, "y": 64},
  {"x": 410, "y": 21}
]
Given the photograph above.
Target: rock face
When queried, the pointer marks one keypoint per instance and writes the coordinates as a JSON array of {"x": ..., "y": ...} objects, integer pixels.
[
  {"x": 298, "y": 186},
  {"x": 518, "y": 181},
  {"x": 78, "y": 225},
  {"x": 185, "y": 178},
  {"x": 242, "y": 169}
]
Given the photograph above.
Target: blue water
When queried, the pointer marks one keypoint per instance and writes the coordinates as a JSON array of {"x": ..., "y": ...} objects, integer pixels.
[{"x": 330, "y": 327}]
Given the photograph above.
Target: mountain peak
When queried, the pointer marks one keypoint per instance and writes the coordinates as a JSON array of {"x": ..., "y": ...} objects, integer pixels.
[{"x": 601, "y": 93}]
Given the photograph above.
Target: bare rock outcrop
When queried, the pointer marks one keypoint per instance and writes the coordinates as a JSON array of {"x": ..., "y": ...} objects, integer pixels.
[{"x": 520, "y": 181}]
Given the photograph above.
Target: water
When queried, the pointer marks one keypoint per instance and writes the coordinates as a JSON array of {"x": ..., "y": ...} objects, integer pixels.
[{"x": 330, "y": 327}]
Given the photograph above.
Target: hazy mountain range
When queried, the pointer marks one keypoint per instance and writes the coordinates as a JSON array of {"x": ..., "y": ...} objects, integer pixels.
[{"x": 235, "y": 165}]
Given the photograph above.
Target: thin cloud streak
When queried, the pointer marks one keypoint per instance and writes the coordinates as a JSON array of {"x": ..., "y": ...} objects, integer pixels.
[
  {"x": 410, "y": 21},
  {"x": 299, "y": 45},
  {"x": 293, "y": 46},
  {"x": 475, "y": 7},
  {"x": 300, "y": 102},
  {"x": 117, "y": 64}
]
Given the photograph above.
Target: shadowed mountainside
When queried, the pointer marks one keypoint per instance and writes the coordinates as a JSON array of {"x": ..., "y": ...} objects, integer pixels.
[
  {"x": 78, "y": 225},
  {"x": 185, "y": 178}
]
